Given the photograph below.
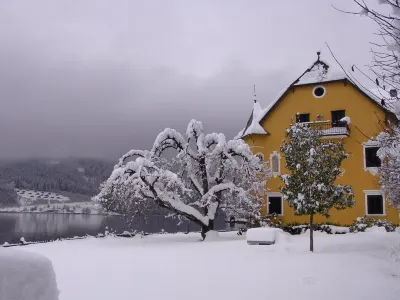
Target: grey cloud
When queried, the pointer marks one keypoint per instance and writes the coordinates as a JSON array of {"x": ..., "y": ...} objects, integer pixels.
[{"x": 96, "y": 78}]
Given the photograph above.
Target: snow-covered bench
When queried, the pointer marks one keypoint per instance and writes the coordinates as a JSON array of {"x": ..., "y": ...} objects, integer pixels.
[
  {"x": 262, "y": 235},
  {"x": 26, "y": 276}
]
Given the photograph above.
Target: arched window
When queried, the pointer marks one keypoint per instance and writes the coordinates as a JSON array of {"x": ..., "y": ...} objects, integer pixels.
[{"x": 275, "y": 163}]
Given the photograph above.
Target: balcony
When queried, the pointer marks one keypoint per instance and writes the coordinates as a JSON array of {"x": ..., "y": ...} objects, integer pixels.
[{"x": 329, "y": 129}]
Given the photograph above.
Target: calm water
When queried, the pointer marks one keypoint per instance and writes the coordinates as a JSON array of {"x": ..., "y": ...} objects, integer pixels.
[{"x": 46, "y": 226}]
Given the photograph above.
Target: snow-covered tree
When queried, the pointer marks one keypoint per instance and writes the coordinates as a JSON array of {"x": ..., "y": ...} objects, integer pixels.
[
  {"x": 206, "y": 175},
  {"x": 389, "y": 153},
  {"x": 314, "y": 166},
  {"x": 386, "y": 52}
]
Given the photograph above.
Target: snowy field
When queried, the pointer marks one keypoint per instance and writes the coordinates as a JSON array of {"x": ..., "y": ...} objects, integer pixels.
[
  {"x": 172, "y": 267},
  {"x": 31, "y": 196}
]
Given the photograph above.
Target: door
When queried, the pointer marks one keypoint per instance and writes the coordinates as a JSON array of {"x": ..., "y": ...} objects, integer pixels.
[{"x": 337, "y": 115}]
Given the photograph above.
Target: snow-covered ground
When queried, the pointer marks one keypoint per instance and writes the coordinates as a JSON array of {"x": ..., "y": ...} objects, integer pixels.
[
  {"x": 352, "y": 266},
  {"x": 26, "y": 197}
]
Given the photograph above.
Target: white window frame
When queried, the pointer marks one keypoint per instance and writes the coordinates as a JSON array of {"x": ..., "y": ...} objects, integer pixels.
[
  {"x": 274, "y": 194},
  {"x": 319, "y": 86},
  {"x": 374, "y": 192},
  {"x": 369, "y": 144},
  {"x": 275, "y": 153}
]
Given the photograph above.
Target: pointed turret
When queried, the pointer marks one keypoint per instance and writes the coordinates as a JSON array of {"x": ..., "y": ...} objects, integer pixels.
[{"x": 253, "y": 124}]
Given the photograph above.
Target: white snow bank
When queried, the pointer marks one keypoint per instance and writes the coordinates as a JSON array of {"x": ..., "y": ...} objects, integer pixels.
[
  {"x": 26, "y": 276},
  {"x": 376, "y": 229},
  {"x": 282, "y": 237},
  {"x": 212, "y": 235},
  {"x": 179, "y": 265},
  {"x": 262, "y": 235},
  {"x": 339, "y": 229}
]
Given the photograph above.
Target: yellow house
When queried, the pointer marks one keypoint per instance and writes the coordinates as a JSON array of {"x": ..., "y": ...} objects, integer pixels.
[{"x": 322, "y": 96}]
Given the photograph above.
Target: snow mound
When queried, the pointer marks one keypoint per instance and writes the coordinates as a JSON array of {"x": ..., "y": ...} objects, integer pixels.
[
  {"x": 338, "y": 229},
  {"x": 26, "y": 276},
  {"x": 282, "y": 237},
  {"x": 376, "y": 229},
  {"x": 262, "y": 235},
  {"x": 212, "y": 235}
]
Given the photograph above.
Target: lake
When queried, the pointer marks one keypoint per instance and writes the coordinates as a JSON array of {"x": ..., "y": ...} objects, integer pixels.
[{"x": 50, "y": 226}]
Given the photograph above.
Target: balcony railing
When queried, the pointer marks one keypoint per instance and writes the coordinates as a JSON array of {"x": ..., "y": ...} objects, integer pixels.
[{"x": 330, "y": 129}]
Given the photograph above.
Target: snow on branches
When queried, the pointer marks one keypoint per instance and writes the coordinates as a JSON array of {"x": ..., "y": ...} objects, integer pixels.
[
  {"x": 207, "y": 174},
  {"x": 314, "y": 165},
  {"x": 389, "y": 153}
]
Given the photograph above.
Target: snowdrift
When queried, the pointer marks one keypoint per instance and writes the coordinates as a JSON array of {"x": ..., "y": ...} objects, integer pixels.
[{"x": 26, "y": 276}]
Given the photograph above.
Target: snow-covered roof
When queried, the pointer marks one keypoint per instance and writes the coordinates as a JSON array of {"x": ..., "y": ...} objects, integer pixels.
[
  {"x": 253, "y": 124},
  {"x": 391, "y": 103},
  {"x": 320, "y": 71}
]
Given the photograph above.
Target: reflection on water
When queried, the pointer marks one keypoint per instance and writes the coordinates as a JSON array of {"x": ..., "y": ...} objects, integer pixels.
[
  {"x": 42, "y": 226},
  {"x": 60, "y": 223},
  {"x": 48, "y": 226}
]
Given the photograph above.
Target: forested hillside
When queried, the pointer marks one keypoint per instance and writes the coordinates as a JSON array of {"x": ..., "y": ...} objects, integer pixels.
[{"x": 78, "y": 176}]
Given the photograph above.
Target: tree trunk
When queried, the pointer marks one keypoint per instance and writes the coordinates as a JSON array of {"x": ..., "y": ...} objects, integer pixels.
[
  {"x": 205, "y": 229},
  {"x": 311, "y": 233}
]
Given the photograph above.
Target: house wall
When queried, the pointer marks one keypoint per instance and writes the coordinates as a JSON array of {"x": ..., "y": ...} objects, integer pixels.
[{"x": 364, "y": 115}]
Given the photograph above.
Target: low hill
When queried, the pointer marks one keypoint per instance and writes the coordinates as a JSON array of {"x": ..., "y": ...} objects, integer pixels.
[{"x": 75, "y": 176}]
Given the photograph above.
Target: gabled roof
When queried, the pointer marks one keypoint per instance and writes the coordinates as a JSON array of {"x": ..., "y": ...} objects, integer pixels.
[{"x": 319, "y": 72}]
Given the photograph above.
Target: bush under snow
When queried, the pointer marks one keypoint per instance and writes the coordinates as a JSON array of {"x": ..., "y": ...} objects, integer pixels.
[
  {"x": 26, "y": 276},
  {"x": 362, "y": 223}
]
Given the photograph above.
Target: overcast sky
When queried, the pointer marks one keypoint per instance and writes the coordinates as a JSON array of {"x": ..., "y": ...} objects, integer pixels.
[{"x": 96, "y": 78}]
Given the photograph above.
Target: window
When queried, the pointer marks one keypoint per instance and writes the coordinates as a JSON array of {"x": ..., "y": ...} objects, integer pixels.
[
  {"x": 275, "y": 163},
  {"x": 371, "y": 158},
  {"x": 319, "y": 91},
  {"x": 337, "y": 115},
  {"x": 374, "y": 203},
  {"x": 301, "y": 118},
  {"x": 275, "y": 204}
]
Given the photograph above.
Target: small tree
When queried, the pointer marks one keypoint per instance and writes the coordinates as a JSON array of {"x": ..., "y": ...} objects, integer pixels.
[
  {"x": 207, "y": 175},
  {"x": 389, "y": 153},
  {"x": 314, "y": 165}
]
